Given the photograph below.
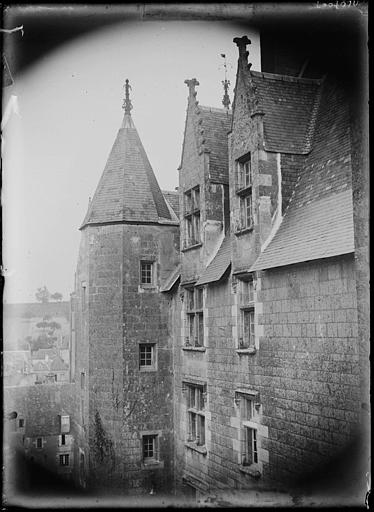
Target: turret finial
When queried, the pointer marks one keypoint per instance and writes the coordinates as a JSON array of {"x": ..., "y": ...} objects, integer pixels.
[
  {"x": 226, "y": 99},
  {"x": 127, "y": 105}
]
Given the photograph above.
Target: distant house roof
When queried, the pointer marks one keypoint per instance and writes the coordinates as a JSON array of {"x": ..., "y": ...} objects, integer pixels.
[
  {"x": 320, "y": 229},
  {"x": 218, "y": 265},
  {"x": 171, "y": 279},
  {"x": 128, "y": 189},
  {"x": 173, "y": 199},
  {"x": 290, "y": 105},
  {"x": 58, "y": 364},
  {"x": 42, "y": 353},
  {"x": 40, "y": 366},
  {"x": 216, "y": 123}
]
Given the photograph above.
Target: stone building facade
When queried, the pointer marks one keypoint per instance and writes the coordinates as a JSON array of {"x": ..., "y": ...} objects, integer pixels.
[{"x": 221, "y": 349}]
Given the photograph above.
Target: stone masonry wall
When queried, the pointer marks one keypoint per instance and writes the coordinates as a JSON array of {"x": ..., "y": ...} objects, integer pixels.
[
  {"x": 103, "y": 381},
  {"x": 148, "y": 393},
  {"x": 308, "y": 364},
  {"x": 305, "y": 371}
]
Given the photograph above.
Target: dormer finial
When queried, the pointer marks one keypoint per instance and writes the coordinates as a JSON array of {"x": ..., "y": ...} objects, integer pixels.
[
  {"x": 127, "y": 105},
  {"x": 191, "y": 86},
  {"x": 241, "y": 43}
]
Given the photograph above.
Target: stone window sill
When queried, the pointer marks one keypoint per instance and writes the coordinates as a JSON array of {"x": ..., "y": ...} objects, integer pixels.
[
  {"x": 240, "y": 232},
  {"x": 193, "y": 349},
  {"x": 190, "y": 247},
  {"x": 147, "y": 288},
  {"x": 195, "y": 447},
  {"x": 246, "y": 351},
  {"x": 147, "y": 369},
  {"x": 156, "y": 464},
  {"x": 252, "y": 471}
]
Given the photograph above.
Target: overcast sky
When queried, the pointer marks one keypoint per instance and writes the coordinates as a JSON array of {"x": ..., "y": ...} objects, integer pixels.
[{"x": 69, "y": 113}]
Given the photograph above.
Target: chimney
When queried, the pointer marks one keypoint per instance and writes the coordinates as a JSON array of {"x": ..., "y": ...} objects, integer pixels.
[
  {"x": 241, "y": 43},
  {"x": 191, "y": 86}
]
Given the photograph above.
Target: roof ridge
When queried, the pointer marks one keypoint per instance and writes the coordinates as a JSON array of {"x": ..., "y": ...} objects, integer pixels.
[
  {"x": 216, "y": 109},
  {"x": 287, "y": 78}
]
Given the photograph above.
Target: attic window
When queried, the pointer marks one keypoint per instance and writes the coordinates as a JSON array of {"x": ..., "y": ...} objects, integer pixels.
[
  {"x": 192, "y": 217},
  {"x": 244, "y": 172}
]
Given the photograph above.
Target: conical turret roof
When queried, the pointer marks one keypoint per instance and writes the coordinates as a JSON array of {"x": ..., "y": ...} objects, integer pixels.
[{"x": 128, "y": 190}]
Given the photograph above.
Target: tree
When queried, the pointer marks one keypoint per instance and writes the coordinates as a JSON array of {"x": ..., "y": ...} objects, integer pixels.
[
  {"x": 57, "y": 296},
  {"x": 43, "y": 295}
]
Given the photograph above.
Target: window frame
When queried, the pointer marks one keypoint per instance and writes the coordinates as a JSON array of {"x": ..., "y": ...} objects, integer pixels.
[
  {"x": 247, "y": 331},
  {"x": 196, "y": 409},
  {"x": 192, "y": 220},
  {"x": 249, "y": 457},
  {"x": 151, "y": 270},
  {"x": 244, "y": 172},
  {"x": 64, "y": 459},
  {"x": 244, "y": 191},
  {"x": 153, "y": 365},
  {"x": 194, "y": 316},
  {"x": 155, "y": 458},
  {"x": 39, "y": 443}
]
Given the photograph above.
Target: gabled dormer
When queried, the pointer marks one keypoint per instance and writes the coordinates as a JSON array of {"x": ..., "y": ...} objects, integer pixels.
[
  {"x": 203, "y": 184},
  {"x": 272, "y": 129}
]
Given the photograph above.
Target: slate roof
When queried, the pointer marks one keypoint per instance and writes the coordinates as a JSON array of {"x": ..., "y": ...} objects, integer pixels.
[
  {"x": 290, "y": 106},
  {"x": 318, "y": 222},
  {"x": 320, "y": 229},
  {"x": 128, "y": 189},
  {"x": 216, "y": 123},
  {"x": 173, "y": 199},
  {"x": 171, "y": 279},
  {"x": 218, "y": 265}
]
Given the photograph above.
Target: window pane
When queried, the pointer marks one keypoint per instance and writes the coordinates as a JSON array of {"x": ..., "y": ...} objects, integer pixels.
[
  {"x": 146, "y": 355},
  {"x": 196, "y": 198},
  {"x": 189, "y": 231},
  {"x": 149, "y": 446},
  {"x": 146, "y": 272},
  {"x": 190, "y": 300},
  {"x": 254, "y": 446},
  {"x": 199, "y": 298},
  {"x": 248, "y": 210},
  {"x": 200, "y": 337},
  {"x": 201, "y": 433},
  {"x": 191, "y": 327},
  {"x": 196, "y": 228}
]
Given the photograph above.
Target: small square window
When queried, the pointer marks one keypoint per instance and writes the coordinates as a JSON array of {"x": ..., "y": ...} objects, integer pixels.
[
  {"x": 146, "y": 272},
  {"x": 21, "y": 423},
  {"x": 64, "y": 459},
  {"x": 147, "y": 355},
  {"x": 150, "y": 448}
]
